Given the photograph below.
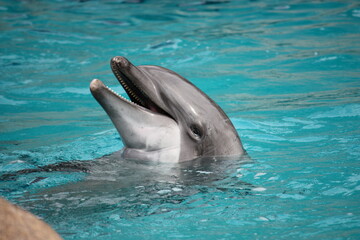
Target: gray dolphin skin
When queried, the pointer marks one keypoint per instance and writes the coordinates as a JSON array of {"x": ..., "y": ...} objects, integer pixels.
[{"x": 168, "y": 118}]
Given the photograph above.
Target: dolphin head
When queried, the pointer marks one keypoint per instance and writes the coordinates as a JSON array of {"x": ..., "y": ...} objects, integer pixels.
[{"x": 168, "y": 118}]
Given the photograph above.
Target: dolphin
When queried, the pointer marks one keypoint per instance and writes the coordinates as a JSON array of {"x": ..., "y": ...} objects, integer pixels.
[
  {"x": 167, "y": 119},
  {"x": 166, "y": 123}
]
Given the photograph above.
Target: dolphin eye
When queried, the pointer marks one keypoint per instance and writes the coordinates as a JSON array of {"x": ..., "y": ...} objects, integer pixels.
[{"x": 196, "y": 132}]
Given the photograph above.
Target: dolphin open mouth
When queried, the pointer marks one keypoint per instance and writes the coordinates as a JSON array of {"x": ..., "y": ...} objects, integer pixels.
[{"x": 135, "y": 93}]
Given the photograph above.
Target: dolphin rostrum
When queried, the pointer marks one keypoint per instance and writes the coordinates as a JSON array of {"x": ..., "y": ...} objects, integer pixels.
[{"x": 168, "y": 118}]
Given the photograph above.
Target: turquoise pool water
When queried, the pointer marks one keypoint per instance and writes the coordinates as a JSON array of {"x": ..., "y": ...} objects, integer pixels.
[{"x": 286, "y": 72}]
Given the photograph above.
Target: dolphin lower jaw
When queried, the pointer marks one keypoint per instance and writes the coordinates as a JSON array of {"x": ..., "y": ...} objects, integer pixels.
[{"x": 142, "y": 130}]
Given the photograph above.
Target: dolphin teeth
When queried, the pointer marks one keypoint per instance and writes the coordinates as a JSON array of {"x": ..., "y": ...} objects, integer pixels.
[{"x": 118, "y": 95}]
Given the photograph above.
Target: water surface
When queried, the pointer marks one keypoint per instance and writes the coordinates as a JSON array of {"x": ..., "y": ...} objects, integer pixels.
[{"x": 286, "y": 72}]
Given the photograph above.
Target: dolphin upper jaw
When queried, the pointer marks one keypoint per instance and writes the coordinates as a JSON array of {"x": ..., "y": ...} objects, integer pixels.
[{"x": 132, "y": 80}]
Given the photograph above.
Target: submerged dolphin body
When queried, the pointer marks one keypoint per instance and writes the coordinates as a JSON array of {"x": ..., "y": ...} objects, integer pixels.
[{"x": 168, "y": 119}]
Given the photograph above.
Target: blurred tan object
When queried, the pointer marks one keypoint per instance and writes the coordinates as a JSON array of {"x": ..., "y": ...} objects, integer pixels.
[{"x": 16, "y": 223}]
